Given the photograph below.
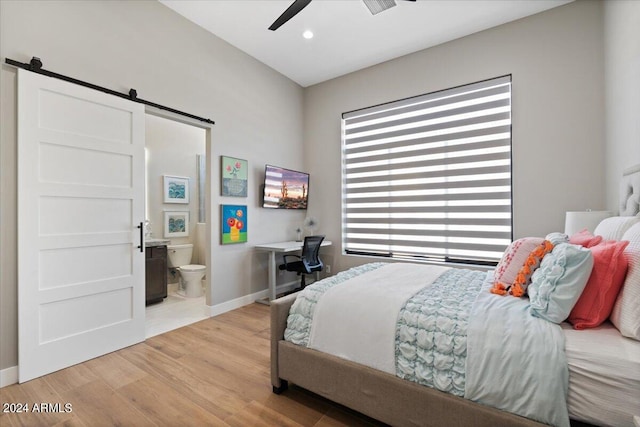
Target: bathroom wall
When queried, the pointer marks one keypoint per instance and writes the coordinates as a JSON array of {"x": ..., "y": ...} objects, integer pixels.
[{"x": 171, "y": 149}]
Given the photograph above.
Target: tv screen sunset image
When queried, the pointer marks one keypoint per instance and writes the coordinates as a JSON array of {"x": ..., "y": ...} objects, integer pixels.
[{"x": 285, "y": 189}]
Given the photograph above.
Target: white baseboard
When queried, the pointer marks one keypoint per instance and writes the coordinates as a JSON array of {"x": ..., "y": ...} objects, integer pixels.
[
  {"x": 8, "y": 376},
  {"x": 214, "y": 310}
]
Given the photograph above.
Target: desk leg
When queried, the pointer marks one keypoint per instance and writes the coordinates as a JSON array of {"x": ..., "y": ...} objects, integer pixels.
[{"x": 272, "y": 275}]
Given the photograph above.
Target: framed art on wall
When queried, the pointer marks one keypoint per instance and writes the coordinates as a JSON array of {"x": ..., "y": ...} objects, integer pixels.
[
  {"x": 176, "y": 224},
  {"x": 234, "y": 224},
  {"x": 176, "y": 189},
  {"x": 234, "y": 177}
]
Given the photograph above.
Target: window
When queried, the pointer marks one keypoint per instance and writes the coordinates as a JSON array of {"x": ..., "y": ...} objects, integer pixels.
[{"x": 429, "y": 177}]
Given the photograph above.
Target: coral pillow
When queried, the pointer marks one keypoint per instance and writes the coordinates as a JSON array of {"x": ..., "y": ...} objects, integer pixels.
[
  {"x": 585, "y": 238},
  {"x": 513, "y": 259},
  {"x": 596, "y": 302}
]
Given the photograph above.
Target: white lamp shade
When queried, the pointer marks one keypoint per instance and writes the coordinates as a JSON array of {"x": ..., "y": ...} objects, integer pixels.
[{"x": 578, "y": 221}]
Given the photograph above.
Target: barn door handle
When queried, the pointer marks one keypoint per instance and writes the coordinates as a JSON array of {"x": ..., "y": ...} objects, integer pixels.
[{"x": 141, "y": 246}]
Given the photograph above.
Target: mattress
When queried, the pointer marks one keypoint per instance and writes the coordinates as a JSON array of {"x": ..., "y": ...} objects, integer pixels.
[{"x": 604, "y": 376}]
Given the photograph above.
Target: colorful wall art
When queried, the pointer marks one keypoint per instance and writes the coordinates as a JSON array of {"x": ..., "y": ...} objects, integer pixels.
[
  {"x": 176, "y": 189},
  {"x": 234, "y": 176},
  {"x": 176, "y": 224},
  {"x": 234, "y": 224}
]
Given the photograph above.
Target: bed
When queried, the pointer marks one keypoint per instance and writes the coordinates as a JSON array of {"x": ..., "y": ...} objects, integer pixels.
[{"x": 603, "y": 380}]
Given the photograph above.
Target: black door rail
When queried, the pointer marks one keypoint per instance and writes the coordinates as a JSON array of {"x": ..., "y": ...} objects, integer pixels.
[{"x": 35, "y": 65}]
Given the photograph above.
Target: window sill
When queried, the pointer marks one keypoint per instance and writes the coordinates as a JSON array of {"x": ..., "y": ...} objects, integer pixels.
[{"x": 424, "y": 261}]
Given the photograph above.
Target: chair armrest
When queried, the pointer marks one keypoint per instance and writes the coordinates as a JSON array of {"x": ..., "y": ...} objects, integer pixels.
[
  {"x": 289, "y": 255},
  {"x": 312, "y": 267}
]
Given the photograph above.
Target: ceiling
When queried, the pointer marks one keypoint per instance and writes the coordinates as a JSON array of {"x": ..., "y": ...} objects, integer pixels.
[{"x": 346, "y": 36}]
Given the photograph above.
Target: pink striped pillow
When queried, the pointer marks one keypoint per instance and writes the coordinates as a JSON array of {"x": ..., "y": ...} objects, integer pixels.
[{"x": 513, "y": 259}]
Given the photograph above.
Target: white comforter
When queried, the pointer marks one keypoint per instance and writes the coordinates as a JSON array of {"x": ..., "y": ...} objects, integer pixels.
[
  {"x": 338, "y": 321},
  {"x": 514, "y": 361}
]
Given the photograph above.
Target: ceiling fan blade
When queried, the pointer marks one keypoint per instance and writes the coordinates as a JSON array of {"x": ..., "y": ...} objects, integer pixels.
[{"x": 291, "y": 11}]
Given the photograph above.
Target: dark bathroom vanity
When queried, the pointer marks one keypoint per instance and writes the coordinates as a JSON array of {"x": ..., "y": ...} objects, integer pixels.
[{"x": 155, "y": 271}]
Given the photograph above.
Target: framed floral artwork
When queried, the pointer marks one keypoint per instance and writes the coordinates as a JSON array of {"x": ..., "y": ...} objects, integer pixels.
[
  {"x": 176, "y": 224},
  {"x": 234, "y": 178},
  {"x": 176, "y": 189},
  {"x": 234, "y": 224}
]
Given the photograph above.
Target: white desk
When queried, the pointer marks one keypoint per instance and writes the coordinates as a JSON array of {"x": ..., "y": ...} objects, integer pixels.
[{"x": 280, "y": 247}]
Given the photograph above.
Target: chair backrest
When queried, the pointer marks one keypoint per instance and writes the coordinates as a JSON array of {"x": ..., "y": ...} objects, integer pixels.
[{"x": 310, "y": 253}]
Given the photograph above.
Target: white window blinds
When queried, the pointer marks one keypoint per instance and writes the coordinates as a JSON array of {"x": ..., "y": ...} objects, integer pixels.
[{"x": 430, "y": 176}]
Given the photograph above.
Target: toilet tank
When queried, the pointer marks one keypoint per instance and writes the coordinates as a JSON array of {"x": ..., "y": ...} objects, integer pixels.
[{"x": 179, "y": 255}]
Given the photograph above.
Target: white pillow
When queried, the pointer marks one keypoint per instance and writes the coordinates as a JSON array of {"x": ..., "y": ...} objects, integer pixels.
[
  {"x": 614, "y": 227},
  {"x": 626, "y": 311}
]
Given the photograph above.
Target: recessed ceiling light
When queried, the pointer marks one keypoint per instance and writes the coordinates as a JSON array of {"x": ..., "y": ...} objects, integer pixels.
[{"x": 307, "y": 34}]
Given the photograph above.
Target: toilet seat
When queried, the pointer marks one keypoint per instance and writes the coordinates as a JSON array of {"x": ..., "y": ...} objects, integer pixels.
[{"x": 193, "y": 267}]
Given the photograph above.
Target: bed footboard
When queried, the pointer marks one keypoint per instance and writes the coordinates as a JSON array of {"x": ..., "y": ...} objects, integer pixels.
[
  {"x": 385, "y": 397},
  {"x": 371, "y": 392},
  {"x": 279, "y": 313}
]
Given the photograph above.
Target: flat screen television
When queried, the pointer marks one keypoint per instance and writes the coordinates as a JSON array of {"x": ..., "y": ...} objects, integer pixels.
[{"x": 285, "y": 188}]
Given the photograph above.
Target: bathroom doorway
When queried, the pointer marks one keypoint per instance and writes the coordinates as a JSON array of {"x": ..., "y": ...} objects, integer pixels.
[{"x": 176, "y": 151}]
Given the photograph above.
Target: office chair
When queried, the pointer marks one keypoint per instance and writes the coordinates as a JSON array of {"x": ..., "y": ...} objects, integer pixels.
[{"x": 308, "y": 262}]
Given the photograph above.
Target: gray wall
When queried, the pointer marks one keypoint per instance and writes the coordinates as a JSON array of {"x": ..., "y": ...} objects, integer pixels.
[
  {"x": 622, "y": 91},
  {"x": 171, "y": 61},
  {"x": 556, "y": 59}
]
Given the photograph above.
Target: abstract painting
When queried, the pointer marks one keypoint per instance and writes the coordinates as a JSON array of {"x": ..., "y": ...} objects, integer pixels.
[
  {"x": 176, "y": 189},
  {"x": 176, "y": 224},
  {"x": 234, "y": 176},
  {"x": 234, "y": 224}
]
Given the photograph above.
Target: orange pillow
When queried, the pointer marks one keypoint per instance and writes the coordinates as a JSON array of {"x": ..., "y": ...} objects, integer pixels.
[
  {"x": 609, "y": 270},
  {"x": 523, "y": 278},
  {"x": 585, "y": 238},
  {"x": 514, "y": 258}
]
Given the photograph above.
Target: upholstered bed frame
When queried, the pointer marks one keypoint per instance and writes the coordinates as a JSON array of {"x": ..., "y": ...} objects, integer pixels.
[
  {"x": 374, "y": 393},
  {"x": 630, "y": 191},
  {"x": 383, "y": 396}
]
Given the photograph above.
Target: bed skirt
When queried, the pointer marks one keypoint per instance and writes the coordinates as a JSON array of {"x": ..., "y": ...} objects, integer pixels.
[{"x": 374, "y": 393}]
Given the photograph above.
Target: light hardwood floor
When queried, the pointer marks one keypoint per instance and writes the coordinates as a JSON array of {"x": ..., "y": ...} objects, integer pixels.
[{"x": 211, "y": 373}]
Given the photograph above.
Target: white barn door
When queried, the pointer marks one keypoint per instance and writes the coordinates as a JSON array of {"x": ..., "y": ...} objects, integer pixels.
[{"x": 80, "y": 200}]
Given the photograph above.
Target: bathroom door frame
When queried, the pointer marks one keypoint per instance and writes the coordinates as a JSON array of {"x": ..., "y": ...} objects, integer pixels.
[{"x": 208, "y": 203}]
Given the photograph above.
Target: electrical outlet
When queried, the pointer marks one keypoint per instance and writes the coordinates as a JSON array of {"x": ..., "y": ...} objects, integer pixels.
[{"x": 328, "y": 269}]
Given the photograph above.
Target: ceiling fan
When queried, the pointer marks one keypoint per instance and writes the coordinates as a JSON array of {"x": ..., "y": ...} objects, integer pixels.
[{"x": 375, "y": 6}]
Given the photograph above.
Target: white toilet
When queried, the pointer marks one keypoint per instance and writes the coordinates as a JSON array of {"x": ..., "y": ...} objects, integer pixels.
[{"x": 192, "y": 274}]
